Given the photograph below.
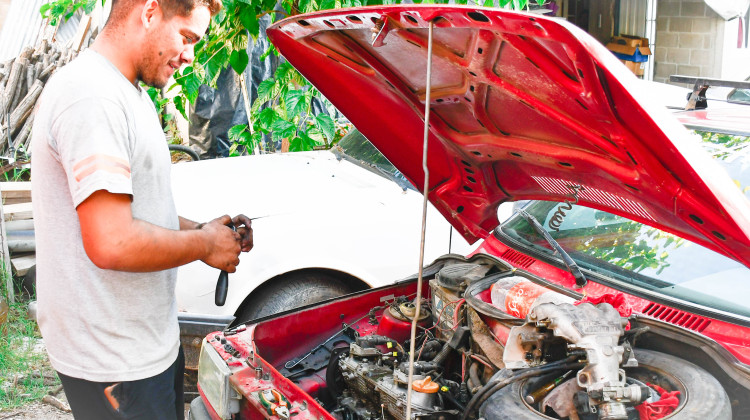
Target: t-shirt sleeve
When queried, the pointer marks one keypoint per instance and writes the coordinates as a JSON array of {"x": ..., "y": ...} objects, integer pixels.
[{"x": 92, "y": 139}]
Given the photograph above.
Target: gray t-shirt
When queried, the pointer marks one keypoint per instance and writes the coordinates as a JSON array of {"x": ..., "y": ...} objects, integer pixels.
[{"x": 94, "y": 130}]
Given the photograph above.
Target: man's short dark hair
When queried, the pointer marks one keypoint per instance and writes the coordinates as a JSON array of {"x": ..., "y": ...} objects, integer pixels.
[{"x": 170, "y": 8}]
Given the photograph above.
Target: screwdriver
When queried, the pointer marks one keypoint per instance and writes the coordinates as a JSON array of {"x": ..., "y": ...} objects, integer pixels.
[{"x": 222, "y": 284}]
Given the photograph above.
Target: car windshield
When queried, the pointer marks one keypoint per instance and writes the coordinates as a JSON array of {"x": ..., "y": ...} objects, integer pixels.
[
  {"x": 740, "y": 96},
  {"x": 640, "y": 256},
  {"x": 355, "y": 148}
]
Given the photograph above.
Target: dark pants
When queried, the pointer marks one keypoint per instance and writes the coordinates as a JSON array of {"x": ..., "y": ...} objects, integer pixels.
[{"x": 157, "y": 398}]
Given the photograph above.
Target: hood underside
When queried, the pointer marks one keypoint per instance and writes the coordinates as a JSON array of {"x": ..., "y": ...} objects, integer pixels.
[{"x": 522, "y": 107}]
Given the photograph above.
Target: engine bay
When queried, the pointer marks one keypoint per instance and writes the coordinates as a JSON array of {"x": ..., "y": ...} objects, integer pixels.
[{"x": 568, "y": 357}]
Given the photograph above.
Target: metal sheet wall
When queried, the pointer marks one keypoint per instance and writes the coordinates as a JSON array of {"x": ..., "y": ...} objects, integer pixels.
[
  {"x": 23, "y": 24},
  {"x": 633, "y": 17}
]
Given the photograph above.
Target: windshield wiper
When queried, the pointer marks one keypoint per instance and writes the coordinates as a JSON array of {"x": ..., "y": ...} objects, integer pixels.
[{"x": 567, "y": 260}]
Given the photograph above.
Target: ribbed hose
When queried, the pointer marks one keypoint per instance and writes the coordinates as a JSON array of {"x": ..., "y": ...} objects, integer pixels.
[{"x": 444, "y": 352}]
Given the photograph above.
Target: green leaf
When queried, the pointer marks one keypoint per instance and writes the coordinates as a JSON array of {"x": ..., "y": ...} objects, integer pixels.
[
  {"x": 179, "y": 105},
  {"x": 302, "y": 143},
  {"x": 327, "y": 4},
  {"x": 239, "y": 60},
  {"x": 190, "y": 84},
  {"x": 265, "y": 89},
  {"x": 326, "y": 126},
  {"x": 282, "y": 129},
  {"x": 249, "y": 20},
  {"x": 295, "y": 103},
  {"x": 267, "y": 118},
  {"x": 284, "y": 72},
  {"x": 235, "y": 133}
]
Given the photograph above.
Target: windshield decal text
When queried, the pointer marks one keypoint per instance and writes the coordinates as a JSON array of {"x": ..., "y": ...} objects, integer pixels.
[{"x": 557, "y": 219}]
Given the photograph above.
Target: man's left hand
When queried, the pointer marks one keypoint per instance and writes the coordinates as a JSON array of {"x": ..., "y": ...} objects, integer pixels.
[{"x": 243, "y": 225}]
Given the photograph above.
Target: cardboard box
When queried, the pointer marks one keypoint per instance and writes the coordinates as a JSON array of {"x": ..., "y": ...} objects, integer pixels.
[
  {"x": 633, "y": 51},
  {"x": 636, "y": 68},
  {"x": 630, "y": 41}
]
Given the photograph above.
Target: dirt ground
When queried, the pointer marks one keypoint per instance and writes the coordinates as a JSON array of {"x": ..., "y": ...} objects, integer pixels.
[
  {"x": 39, "y": 410},
  {"x": 36, "y": 410},
  {"x": 42, "y": 411}
]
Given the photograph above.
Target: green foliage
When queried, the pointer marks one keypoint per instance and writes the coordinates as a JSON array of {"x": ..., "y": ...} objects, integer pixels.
[
  {"x": 725, "y": 146},
  {"x": 65, "y": 9},
  {"x": 635, "y": 248},
  {"x": 23, "y": 368},
  {"x": 283, "y": 108}
]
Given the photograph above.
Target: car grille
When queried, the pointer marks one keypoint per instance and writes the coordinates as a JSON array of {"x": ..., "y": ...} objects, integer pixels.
[
  {"x": 677, "y": 317},
  {"x": 516, "y": 258}
]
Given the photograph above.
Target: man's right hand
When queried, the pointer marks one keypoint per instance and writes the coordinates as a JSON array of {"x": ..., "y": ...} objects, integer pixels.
[{"x": 222, "y": 244}]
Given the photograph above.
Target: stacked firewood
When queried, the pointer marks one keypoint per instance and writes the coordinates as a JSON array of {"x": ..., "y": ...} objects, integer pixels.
[{"x": 21, "y": 83}]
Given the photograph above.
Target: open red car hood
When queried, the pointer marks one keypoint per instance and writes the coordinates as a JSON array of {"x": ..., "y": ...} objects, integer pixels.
[{"x": 522, "y": 107}]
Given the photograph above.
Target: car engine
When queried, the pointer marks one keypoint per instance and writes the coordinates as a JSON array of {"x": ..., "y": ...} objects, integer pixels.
[{"x": 565, "y": 361}]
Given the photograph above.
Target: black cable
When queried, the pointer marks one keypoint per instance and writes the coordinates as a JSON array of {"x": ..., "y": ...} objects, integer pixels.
[{"x": 497, "y": 384}]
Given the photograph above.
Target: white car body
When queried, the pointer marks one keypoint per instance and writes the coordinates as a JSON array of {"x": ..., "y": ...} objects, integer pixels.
[{"x": 314, "y": 211}]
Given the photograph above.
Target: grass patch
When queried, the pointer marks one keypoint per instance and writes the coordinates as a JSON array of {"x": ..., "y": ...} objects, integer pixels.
[{"x": 25, "y": 372}]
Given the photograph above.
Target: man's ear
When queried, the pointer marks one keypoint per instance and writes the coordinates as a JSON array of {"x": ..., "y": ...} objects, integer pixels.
[{"x": 151, "y": 11}]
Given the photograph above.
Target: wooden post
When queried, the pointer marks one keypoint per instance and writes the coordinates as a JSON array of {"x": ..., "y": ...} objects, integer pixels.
[
  {"x": 83, "y": 28},
  {"x": 6, "y": 258},
  {"x": 246, "y": 100}
]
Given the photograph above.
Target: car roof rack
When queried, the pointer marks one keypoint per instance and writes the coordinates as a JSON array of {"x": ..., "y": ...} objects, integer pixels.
[{"x": 697, "y": 98}]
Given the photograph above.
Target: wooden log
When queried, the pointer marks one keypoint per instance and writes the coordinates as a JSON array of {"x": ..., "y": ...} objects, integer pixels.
[
  {"x": 20, "y": 89},
  {"x": 47, "y": 71},
  {"x": 38, "y": 69},
  {"x": 24, "y": 134},
  {"x": 30, "y": 77},
  {"x": 26, "y": 53},
  {"x": 10, "y": 87},
  {"x": 25, "y": 107},
  {"x": 27, "y": 142},
  {"x": 42, "y": 47}
]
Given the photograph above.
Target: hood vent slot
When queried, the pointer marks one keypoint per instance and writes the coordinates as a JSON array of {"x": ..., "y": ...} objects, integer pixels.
[
  {"x": 516, "y": 258},
  {"x": 677, "y": 317}
]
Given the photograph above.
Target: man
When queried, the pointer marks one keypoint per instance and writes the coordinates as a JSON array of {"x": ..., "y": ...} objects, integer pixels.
[{"x": 108, "y": 236}]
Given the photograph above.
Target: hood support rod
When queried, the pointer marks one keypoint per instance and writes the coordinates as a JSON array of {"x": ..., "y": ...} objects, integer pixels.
[{"x": 425, "y": 191}]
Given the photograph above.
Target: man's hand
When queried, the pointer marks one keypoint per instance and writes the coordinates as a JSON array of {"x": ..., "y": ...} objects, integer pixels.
[
  {"x": 243, "y": 225},
  {"x": 223, "y": 244}
]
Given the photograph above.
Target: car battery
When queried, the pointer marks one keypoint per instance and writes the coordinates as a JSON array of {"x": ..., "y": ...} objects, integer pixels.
[{"x": 447, "y": 291}]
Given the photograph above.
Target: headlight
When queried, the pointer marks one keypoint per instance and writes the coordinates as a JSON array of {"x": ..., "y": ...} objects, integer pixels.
[{"x": 213, "y": 378}]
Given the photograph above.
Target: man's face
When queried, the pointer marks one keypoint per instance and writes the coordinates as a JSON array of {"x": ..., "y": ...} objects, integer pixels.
[{"x": 169, "y": 44}]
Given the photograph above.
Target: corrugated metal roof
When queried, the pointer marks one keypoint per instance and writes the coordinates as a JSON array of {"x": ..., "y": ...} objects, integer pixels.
[{"x": 22, "y": 26}]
